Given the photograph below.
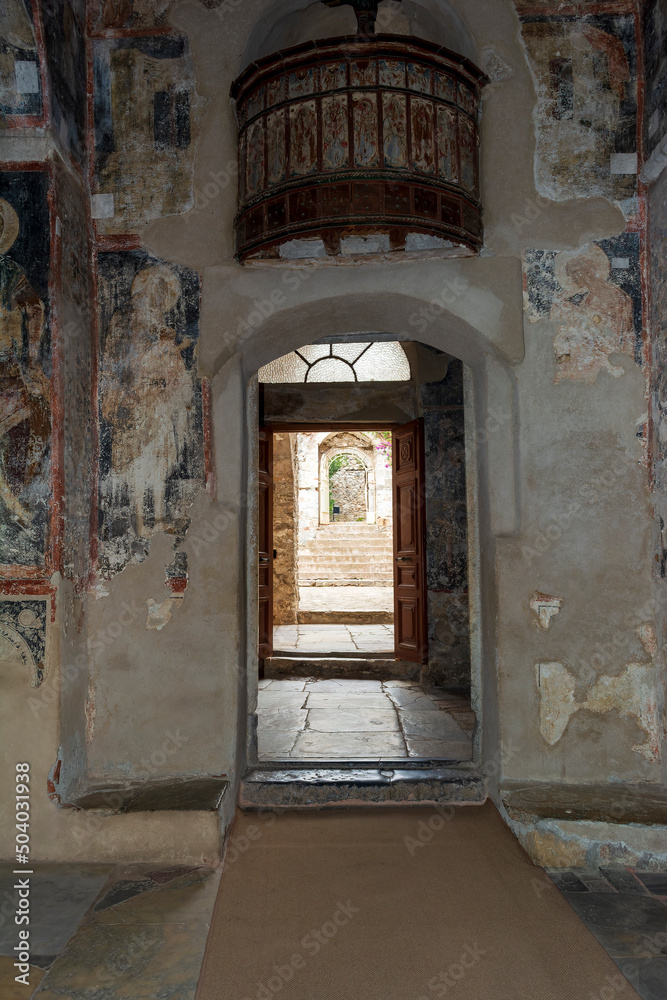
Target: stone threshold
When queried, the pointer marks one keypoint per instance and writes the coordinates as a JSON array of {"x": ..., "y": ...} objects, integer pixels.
[
  {"x": 340, "y": 666},
  {"x": 271, "y": 785},
  {"x": 345, "y": 618}
]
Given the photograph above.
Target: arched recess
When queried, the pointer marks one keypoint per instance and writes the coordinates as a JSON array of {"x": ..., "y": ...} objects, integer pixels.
[
  {"x": 491, "y": 432},
  {"x": 290, "y": 22},
  {"x": 327, "y": 455}
]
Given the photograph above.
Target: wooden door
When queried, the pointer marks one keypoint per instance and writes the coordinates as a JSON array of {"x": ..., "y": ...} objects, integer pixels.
[
  {"x": 265, "y": 544},
  {"x": 410, "y": 610}
]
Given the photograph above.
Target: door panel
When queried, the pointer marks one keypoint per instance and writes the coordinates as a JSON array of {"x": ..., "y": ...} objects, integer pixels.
[
  {"x": 410, "y": 609},
  {"x": 265, "y": 533}
]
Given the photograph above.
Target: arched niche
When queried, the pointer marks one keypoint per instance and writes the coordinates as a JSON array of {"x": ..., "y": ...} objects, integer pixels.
[
  {"x": 290, "y": 22},
  {"x": 330, "y": 448}
]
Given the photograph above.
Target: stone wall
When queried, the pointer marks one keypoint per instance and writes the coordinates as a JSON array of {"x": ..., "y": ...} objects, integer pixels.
[
  {"x": 285, "y": 530},
  {"x": 446, "y": 531},
  {"x": 347, "y": 490}
]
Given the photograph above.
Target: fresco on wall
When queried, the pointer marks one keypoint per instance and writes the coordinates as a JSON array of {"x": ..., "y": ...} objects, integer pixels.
[
  {"x": 66, "y": 61},
  {"x": 25, "y": 368},
  {"x": 335, "y": 146},
  {"x": 655, "y": 56},
  {"x": 20, "y": 83},
  {"x": 151, "y": 433},
  {"x": 594, "y": 295},
  {"x": 658, "y": 263},
  {"x": 23, "y": 635},
  {"x": 365, "y": 125},
  {"x": 585, "y": 73},
  {"x": 128, "y": 14},
  {"x": 303, "y": 138},
  {"x": 76, "y": 354},
  {"x": 145, "y": 128}
]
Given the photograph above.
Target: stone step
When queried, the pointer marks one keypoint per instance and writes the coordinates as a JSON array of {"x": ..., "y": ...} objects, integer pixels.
[
  {"x": 378, "y": 581},
  {"x": 347, "y": 555},
  {"x": 345, "y": 617},
  {"x": 373, "y": 782},
  {"x": 337, "y": 666}
]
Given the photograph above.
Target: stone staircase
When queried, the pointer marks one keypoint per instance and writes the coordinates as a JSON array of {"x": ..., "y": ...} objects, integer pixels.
[{"x": 347, "y": 554}]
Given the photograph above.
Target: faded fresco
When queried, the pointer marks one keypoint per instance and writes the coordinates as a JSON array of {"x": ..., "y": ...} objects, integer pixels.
[
  {"x": 303, "y": 138},
  {"x": 66, "y": 62},
  {"x": 23, "y": 635},
  {"x": 151, "y": 436},
  {"x": 77, "y": 362},
  {"x": 335, "y": 143},
  {"x": 25, "y": 369},
  {"x": 594, "y": 296},
  {"x": 395, "y": 131},
  {"x": 128, "y": 14},
  {"x": 585, "y": 73},
  {"x": 655, "y": 57},
  {"x": 658, "y": 266},
  {"x": 20, "y": 83},
  {"x": 365, "y": 125},
  {"x": 145, "y": 129}
]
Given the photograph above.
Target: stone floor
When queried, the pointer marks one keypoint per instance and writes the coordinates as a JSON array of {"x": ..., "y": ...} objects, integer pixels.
[
  {"x": 305, "y": 719},
  {"x": 99, "y": 931},
  {"x": 626, "y": 910},
  {"x": 346, "y": 599},
  {"x": 334, "y": 638}
]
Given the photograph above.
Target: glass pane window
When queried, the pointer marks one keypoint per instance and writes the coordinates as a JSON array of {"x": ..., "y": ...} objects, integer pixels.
[{"x": 383, "y": 361}]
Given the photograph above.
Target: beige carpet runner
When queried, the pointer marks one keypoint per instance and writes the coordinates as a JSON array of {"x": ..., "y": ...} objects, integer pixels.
[{"x": 394, "y": 904}]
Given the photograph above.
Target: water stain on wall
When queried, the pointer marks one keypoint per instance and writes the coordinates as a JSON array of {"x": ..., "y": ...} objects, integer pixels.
[
  {"x": 25, "y": 368},
  {"x": 145, "y": 128},
  {"x": 20, "y": 81},
  {"x": 594, "y": 295},
  {"x": 585, "y": 72},
  {"x": 151, "y": 433}
]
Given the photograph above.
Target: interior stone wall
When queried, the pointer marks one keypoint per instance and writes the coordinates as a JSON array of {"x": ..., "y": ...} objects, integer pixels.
[
  {"x": 446, "y": 531},
  {"x": 285, "y": 530}
]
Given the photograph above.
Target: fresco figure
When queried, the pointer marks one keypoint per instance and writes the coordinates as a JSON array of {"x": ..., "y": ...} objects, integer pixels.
[
  {"x": 595, "y": 316},
  {"x": 147, "y": 392},
  {"x": 25, "y": 421}
]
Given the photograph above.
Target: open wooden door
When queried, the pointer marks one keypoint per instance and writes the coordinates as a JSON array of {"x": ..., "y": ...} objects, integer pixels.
[
  {"x": 410, "y": 610},
  {"x": 265, "y": 545}
]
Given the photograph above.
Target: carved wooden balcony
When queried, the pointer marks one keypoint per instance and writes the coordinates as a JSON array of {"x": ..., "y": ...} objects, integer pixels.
[{"x": 358, "y": 145}]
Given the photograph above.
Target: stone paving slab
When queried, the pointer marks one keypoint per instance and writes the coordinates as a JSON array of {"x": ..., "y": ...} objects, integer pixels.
[{"x": 347, "y": 719}]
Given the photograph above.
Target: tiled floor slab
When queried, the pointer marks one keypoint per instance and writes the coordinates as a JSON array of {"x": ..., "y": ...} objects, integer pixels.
[
  {"x": 337, "y": 707},
  {"x": 308, "y": 639},
  {"x": 147, "y": 946},
  {"x": 345, "y": 746},
  {"x": 325, "y": 720},
  {"x": 9, "y": 988},
  {"x": 425, "y": 749},
  {"x": 59, "y": 898},
  {"x": 283, "y": 718},
  {"x": 629, "y": 922}
]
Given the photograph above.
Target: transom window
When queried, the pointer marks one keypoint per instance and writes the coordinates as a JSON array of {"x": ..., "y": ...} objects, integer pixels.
[{"x": 383, "y": 361}]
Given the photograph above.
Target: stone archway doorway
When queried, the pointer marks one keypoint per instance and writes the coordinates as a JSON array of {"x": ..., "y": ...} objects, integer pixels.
[{"x": 401, "y": 689}]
